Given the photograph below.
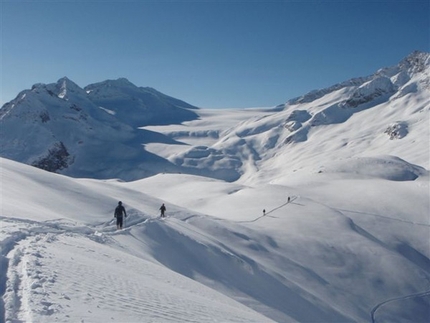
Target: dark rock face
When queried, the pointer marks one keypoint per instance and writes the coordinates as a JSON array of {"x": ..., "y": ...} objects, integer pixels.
[{"x": 57, "y": 158}]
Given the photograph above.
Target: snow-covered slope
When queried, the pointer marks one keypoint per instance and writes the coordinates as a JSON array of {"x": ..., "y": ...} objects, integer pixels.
[
  {"x": 346, "y": 248},
  {"x": 342, "y": 175}
]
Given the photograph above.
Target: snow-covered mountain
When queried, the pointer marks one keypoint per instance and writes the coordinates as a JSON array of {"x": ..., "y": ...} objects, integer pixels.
[
  {"x": 342, "y": 175},
  {"x": 97, "y": 131},
  {"x": 383, "y": 114},
  {"x": 89, "y": 132},
  {"x": 138, "y": 106}
]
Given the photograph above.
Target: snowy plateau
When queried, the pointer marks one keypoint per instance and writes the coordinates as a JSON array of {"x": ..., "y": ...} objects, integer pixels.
[{"x": 316, "y": 210}]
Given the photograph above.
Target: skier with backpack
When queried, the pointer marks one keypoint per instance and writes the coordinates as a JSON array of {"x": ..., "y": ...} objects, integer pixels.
[{"x": 119, "y": 211}]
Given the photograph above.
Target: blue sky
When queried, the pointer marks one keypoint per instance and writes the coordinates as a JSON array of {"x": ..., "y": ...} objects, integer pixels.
[{"x": 212, "y": 54}]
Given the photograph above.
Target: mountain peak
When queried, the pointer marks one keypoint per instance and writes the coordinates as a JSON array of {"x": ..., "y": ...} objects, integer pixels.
[
  {"x": 65, "y": 86},
  {"x": 62, "y": 127},
  {"x": 416, "y": 61},
  {"x": 121, "y": 82}
]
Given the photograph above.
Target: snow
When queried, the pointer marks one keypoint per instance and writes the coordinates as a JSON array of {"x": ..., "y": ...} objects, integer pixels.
[
  {"x": 342, "y": 236},
  {"x": 338, "y": 250},
  {"x": 107, "y": 111},
  {"x": 63, "y": 93},
  {"x": 345, "y": 190},
  {"x": 66, "y": 263},
  {"x": 59, "y": 273}
]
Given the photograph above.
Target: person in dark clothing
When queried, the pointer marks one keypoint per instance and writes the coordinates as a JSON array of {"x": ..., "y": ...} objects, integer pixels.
[
  {"x": 163, "y": 209},
  {"x": 119, "y": 212}
]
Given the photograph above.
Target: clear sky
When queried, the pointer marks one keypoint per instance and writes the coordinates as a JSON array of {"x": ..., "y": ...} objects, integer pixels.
[{"x": 212, "y": 54}]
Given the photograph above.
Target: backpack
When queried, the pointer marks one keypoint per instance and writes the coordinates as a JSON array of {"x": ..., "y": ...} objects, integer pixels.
[{"x": 118, "y": 210}]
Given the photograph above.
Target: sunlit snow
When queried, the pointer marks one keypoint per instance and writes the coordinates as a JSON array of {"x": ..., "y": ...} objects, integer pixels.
[{"x": 314, "y": 211}]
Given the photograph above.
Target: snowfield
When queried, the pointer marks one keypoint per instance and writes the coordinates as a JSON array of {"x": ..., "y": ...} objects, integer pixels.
[
  {"x": 317, "y": 210},
  {"x": 346, "y": 248}
]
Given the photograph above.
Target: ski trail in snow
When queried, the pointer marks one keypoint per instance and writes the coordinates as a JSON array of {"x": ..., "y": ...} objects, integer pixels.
[
  {"x": 372, "y": 214},
  {"x": 274, "y": 298},
  {"x": 7, "y": 245},
  {"x": 369, "y": 236},
  {"x": 402, "y": 298},
  {"x": 23, "y": 276},
  {"x": 386, "y": 217},
  {"x": 293, "y": 198},
  {"x": 22, "y": 281},
  {"x": 50, "y": 270}
]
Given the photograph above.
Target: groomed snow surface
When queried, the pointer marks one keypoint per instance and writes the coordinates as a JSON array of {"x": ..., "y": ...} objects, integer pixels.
[{"x": 346, "y": 248}]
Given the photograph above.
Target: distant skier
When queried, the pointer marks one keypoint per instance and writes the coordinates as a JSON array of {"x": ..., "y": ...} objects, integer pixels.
[
  {"x": 119, "y": 211},
  {"x": 288, "y": 199},
  {"x": 264, "y": 212},
  {"x": 163, "y": 209}
]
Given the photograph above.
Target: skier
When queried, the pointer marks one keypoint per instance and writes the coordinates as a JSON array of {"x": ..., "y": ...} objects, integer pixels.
[
  {"x": 163, "y": 209},
  {"x": 288, "y": 199},
  {"x": 264, "y": 212},
  {"x": 119, "y": 210}
]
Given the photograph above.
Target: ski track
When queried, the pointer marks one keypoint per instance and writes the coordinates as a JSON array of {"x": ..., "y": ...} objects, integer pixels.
[
  {"x": 25, "y": 287},
  {"x": 293, "y": 198},
  {"x": 365, "y": 233},
  {"x": 32, "y": 281},
  {"x": 341, "y": 211},
  {"x": 402, "y": 298},
  {"x": 385, "y": 217},
  {"x": 21, "y": 252}
]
